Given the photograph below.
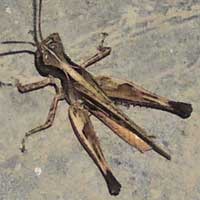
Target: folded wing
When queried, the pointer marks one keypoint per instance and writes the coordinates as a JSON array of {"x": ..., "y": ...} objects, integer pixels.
[{"x": 124, "y": 133}]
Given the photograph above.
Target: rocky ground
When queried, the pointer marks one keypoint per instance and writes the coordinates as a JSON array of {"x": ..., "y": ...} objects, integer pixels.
[{"x": 154, "y": 43}]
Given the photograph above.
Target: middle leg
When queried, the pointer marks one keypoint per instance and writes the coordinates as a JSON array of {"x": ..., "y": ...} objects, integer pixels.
[{"x": 47, "y": 124}]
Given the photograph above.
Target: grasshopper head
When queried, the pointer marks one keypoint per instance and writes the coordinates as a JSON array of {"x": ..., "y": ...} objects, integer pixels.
[{"x": 51, "y": 50}]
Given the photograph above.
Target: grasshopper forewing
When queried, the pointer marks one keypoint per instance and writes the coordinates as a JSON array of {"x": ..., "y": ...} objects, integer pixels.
[{"x": 88, "y": 95}]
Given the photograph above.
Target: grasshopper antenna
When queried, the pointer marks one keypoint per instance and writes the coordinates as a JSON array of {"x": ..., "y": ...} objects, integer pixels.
[
  {"x": 36, "y": 29},
  {"x": 39, "y": 20},
  {"x": 35, "y": 37},
  {"x": 34, "y": 2},
  {"x": 18, "y": 42},
  {"x": 27, "y": 42},
  {"x": 17, "y": 52}
]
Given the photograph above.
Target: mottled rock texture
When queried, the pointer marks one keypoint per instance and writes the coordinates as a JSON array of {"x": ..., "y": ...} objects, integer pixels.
[{"x": 154, "y": 43}]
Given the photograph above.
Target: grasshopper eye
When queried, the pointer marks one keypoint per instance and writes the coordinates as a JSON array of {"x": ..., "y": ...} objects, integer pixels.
[
  {"x": 49, "y": 59},
  {"x": 45, "y": 57},
  {"x": 52, "y": 46}
]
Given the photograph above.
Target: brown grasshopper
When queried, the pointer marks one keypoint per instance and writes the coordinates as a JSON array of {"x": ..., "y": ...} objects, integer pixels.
[{"x": 88, "y": 95}]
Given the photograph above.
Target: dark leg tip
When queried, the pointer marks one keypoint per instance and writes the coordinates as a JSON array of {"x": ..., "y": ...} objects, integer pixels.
[
  {"x": 183, "y": 110},
  {"x": 113, "y": 185},
  {"x": 23, "y": 150}
]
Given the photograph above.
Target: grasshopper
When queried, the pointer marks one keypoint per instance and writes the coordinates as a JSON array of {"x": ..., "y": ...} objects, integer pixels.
[{"x": 89, "y": 95}]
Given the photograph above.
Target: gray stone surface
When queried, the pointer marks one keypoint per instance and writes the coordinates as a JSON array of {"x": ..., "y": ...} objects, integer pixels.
[{"x": 156, "y": 44}]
